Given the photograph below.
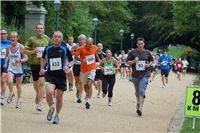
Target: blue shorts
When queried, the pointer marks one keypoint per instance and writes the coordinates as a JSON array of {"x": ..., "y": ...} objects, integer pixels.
[
  {"x": 140, "y": 85},
  {"x": 16, "y": 75},
  {"x": 165, "y": 72}
]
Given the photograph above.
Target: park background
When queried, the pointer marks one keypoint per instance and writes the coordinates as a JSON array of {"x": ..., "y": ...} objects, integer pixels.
[{"x": 174, "y": 25}]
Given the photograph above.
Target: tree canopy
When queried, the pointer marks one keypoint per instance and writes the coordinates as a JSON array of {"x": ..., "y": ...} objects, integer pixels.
[{"x": 160, "y": 22}]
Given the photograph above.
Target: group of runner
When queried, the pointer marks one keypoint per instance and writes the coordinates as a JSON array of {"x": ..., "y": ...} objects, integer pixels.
[{"x": 53, "y": 62}]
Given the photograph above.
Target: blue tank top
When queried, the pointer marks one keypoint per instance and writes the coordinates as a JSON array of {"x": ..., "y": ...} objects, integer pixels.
[{"x": 3, "y": 47}]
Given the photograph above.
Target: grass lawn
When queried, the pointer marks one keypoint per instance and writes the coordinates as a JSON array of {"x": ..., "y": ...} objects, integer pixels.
[{"x": 187, "y": 126}]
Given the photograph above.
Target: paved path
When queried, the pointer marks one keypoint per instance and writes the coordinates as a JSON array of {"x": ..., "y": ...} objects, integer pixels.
[{"x": 160, "y": 106}]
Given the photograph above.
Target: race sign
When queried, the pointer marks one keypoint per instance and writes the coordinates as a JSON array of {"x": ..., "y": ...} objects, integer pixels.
[
  {"x": 40, "y": 51},
  {"x": 140, "y": 65},
  {"x": 192, "y": 103},
  {"x": 3, "y": 53},
  {"x": 90, "y": 59},
  {"x": 55, "y": 64}
]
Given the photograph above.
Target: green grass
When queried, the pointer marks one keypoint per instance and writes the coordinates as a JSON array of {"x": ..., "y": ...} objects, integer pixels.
[{"x": 187, "y": 126}]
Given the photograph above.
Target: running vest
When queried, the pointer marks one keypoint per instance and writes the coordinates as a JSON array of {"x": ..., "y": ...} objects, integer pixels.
[
  {"x": 109, "y": 67},
  {"x": 16, "y": 68}
]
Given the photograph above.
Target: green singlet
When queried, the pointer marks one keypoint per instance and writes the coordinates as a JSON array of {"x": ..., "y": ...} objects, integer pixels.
[{"x": 36, "y": 42}]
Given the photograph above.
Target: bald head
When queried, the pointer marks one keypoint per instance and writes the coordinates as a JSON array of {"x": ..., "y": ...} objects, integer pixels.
[{"x": 89, "y": 42}]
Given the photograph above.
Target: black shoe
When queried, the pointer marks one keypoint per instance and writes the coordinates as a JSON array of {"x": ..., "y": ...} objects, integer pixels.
[
  {"x": 87, "y": 105},
  {"x": 79, "y": 101},
  {"x": 139, "y": 112}
]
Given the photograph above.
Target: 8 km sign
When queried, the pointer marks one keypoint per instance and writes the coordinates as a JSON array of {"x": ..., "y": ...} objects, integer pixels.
[{"x": 192, "y": 104}]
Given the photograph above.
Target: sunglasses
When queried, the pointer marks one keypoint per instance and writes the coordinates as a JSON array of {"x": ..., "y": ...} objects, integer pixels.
[{"x": 3, "y": 33}]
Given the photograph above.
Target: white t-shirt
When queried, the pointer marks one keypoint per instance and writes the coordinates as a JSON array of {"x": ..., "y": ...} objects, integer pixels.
[
  {"x": 70, "y": 46},
  {"x": 185, "y": 63}
]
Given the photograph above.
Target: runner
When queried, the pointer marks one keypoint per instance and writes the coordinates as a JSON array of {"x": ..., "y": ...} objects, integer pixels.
[
  {"x": 165, "y": 62},
  {"x": 99, "y": 72},
  {"x": 141, "y": 61},
  {"x": 13, "y": 62},
  {"x": 70, "y": 75},
  {"x": 35, "y": 47},
  {"x": 122, "y": 60},
  {"x": 185, "y": 65},
  {"x": 4, "y": 44},
  {"x": 110, "y": 66},
  {"x": 179, "y": 68},
  {"x": 76, "y": 69},
  {"x": 88, "y": 67},
  {"x": 56, "y": 57}
]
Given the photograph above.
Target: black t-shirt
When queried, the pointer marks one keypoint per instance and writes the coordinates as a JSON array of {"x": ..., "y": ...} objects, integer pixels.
[
  {"x": 101, "y": 56},
  {"x": 56, "y": 58}
]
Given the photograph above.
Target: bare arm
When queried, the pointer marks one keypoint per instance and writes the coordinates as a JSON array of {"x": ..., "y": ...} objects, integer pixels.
[
  {"x": 30, "y": 52},
  {"x": 116, "y": 65}
]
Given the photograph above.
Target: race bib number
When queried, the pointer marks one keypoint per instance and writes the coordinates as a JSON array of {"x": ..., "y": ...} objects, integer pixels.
[
  {"x": 90, "y": 59},
  {"x": 14, "y": 65},
  {"x": 179, "y": 65},
  {"x": 55, "y": 64},
  {"x": 3, "y": 53},
  {"x": 40, "y": 52},
  {"x": 164, "y": 63},
  {"x": 140, "y": 66},
  {"x": 108, "y": 70}
]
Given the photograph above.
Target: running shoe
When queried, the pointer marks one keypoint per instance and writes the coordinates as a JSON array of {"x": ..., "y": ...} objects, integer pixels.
[
  {"x": 50, "y": 114},
  {"x": 103, "y": 95},
  {"x": 71, "y": 87},
  {"x": 87, "y": 105},
  {"x": 19, "y": 104},
  {"x": 10, "y": 97},
  {"x": 2, "y": 101},
  {"x": 139, "y": 111},
  {"x": 98, "y": 96},
  {"x": 109, "y": 103},
  {"x": 78, "y": 100},
  {"x": 56, "y": 119},
  {"x": 39, "y": 107}
]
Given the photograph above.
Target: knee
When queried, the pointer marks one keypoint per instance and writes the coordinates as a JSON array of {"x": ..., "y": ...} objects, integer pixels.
[{"x": 49, "y": 92}]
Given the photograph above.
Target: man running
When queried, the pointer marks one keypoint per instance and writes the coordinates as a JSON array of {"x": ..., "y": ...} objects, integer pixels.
[
  {"x": 56, "y": 57},
  {"x": 70, "y": 75},
  {"x": 99, "y": 72},
  {"x": 185, "y": 65},
  {"x": 179, "y": 68},
  {"x": 122, "y": 60},
  {"x": 35, "y": 47},
  {"x": 110, "y": 66},
  {"x": 4, "y": 44},
  {"x": 165, "y": 62},
  {"x": 141, "y": 61},
  {"x": 76, "y": 69},
  {"x": 13, "y": 62},
  {"x": 88, "y": 67}
]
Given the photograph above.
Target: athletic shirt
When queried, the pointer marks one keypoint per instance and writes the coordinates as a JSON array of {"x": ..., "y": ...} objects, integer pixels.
[
  {"x": 3, "y": 47},
  {"x": 167, "y": 61},
  {"x": 101, "y": 56},
  {"x": 108, "y": 67},
  {"x": 56, "y": 58},
  {"x": 123, "y": 58},
  {"x": 70, "y": 46},
  {"x": 40, "y": 43},
  {"x": 16, "y": 68},
  {"x": 179, "y": 65},
  {"x": 76, "y": 62}
]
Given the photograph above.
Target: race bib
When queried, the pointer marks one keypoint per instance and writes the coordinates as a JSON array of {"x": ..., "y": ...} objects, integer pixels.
[
  {"x": 90, "y": 59},
  {"x": 3, "y": 53},
  {"x": 15, "y": 66},
  {"x": 108, "y": 70},
  {"x": 179, "y": 65},
  {"x": 164, "y": 63},
  {"x": 140, "y": 65},
  {"x": 55, "y": 64},
  {"x": 40, "y": 52}
]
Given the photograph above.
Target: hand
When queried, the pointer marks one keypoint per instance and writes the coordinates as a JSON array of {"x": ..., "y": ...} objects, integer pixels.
[
  {"x": 66, "y": 69},
  {"x": 136, "y": 59},
  {"x": 42, "y": 72},
  {"x": 5, "y": 65},
  {"x": 17, "y": 60},
  {"x": 147, "y": 65},
  {"x": 35, "y": 51}
]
